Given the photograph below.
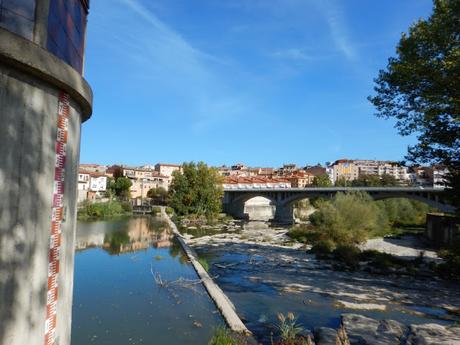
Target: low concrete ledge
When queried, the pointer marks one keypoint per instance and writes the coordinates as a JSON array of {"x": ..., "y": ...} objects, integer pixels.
[
  {"x": 223, "y": 303},
  {"x": 30, "y": 58}
]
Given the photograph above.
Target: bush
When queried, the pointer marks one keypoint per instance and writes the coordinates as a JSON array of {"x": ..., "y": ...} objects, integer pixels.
[
  {"x": 304, "y": 234},
  {"x": 323, "y": 248},
  {"x": 348, "y": 219},
  {"x": 450, "y": 268},
  {"x": 169, "y": 211},
  {"x": 348, "y": 254},
  {"x": 156, "y": 211},
  {"x": 100, "y": 210}
]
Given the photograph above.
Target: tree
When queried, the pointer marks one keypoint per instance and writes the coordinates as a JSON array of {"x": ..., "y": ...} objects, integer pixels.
[
  {"x": 119, "y": 186},
  {"x": 342, "y": 182},
  {"x": 420, "y": 88},
  {"x": 384, "y": 180},
  {"x": 159, "y": 195},
  {"x": 349, "y": 218},
  {"x": 322, "y": 181},
  {"x": 197, "y": 190}
]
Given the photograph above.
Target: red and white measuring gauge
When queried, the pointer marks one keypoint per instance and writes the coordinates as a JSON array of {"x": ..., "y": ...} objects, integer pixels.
[{"x": 57, "y": 216}]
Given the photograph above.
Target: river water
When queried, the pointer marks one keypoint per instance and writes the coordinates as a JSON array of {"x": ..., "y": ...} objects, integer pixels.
[
  {"x": 117, "y": 299},
  {"x": 263, "y": 274}
]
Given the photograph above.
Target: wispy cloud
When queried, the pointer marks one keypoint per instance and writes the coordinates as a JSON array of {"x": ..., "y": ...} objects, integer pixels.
[
  {"x": 335, "y": 19},
  {"x": 162, "y": 55}
]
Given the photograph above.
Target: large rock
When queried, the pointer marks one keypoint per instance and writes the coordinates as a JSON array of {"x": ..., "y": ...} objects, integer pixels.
[
  {"x": 433, "y": 334},
  {"x": 325, "y": 336},
  {"x": 362, "y": 330}
]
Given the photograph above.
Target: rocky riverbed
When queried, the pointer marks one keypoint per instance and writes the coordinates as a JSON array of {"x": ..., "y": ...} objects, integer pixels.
[{"x": 264, "y": 273}]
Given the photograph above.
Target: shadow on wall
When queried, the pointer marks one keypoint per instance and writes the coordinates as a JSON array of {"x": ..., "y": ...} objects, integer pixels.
[{"x": 27, "y": 133}]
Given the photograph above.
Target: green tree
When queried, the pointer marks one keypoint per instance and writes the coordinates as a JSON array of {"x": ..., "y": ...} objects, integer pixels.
[
  {"x": 420, "y": 88},
  {"x": 159, "y": 195},
  {"x": 119, "y": 186},
  {"x": 367, "y": 181},
  {"x": 196, "y": 190},
  {"x": 349, "y": 218},
  {"x": 322, "y": 181},
  {"x": 342, "y": 182}
]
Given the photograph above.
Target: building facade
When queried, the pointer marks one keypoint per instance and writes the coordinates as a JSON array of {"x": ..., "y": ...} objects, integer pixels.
[{"x": 43, "y": 101}]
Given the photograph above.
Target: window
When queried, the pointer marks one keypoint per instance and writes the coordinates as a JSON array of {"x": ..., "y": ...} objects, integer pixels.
[
  {"x": 66, "y": 30},
  {"x": 18, "y": 16}
]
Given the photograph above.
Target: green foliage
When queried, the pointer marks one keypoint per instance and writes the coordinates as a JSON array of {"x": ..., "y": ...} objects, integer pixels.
[
  {"x": 119, "y": 186},
  {"x": 223, "y": 336},
  {"x": 101, "y": 210},
  {"x": 288, "y": 327},
  {"x": 169, "y": 211},
  {"x": 204, "y": 263},
  {"x": 342, "y": 182},
  {"x": 196, "y": 190},
  {"x": 158, "y": 195},
  {"x": 156, "y": 211},
  {"x": 375, "y": 181},
  {"x": 347, "y": 254},
  {"x": 322, "y": 181},
  {"x": 450, "y": 268},
  {"x": 348, "y": 219},
  {"x": 116, "y": 240},
  {"x": 401, "y": 211},
  {"x": 419, "y": 89},
  {"x": 322, "y": 248}
]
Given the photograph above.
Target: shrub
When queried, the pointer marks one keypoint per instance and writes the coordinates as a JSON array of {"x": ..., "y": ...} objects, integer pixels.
[
  {"x": 348, "y": 254},
  {"x": 156, "y": 211},
  {"x": 169, "y": 211},
  {"x": 347, "y": 219},
  {"x": 450, "y": 268},
  {"x": 323, "y": 248}
]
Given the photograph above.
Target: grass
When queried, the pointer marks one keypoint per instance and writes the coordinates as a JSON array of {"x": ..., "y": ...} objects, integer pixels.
[{"x": 223, "y": 336}]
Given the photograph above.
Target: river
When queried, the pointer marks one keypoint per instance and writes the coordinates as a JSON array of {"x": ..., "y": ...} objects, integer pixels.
[
  {"x": 264, "y": 273},
  {"x": 117, "y": 299}
]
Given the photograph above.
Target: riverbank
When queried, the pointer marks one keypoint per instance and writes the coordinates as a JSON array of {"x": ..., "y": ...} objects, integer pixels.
[
  {"x": 103, "y": 210},
  {"x": 264, "y": 272}
]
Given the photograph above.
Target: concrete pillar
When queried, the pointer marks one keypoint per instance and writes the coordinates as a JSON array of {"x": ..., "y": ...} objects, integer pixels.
[
  {"x": 31, "y": 82},
  {"x": 284, "y": 214}
]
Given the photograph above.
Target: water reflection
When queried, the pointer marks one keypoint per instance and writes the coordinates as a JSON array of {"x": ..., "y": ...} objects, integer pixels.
[
  {"x": 116, "y": 298},
  {"x": 125, "y": 236}
]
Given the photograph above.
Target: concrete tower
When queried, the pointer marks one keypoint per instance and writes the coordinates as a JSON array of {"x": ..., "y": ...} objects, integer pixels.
[{"x": 43, "y": 101}]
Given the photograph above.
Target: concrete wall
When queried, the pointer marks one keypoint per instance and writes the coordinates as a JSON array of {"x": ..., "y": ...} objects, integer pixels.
[{"x": 28, "y": 125}]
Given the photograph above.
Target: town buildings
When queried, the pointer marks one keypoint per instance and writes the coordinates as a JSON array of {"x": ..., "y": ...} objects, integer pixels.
[{"x": 91, "y": 185}]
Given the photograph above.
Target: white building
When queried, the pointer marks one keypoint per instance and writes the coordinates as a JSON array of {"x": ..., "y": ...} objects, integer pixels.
[
  {"x": 91, "y": 185},
  {"x": 167, "y": 169}
]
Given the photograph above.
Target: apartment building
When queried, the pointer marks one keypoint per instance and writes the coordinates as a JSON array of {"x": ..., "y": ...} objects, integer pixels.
[
  {"x": 91, "y": 185},
  {"x": 167, "y": 169},
  {"x": 300, "y": 179},
  {"x": 344, "y": 169}
]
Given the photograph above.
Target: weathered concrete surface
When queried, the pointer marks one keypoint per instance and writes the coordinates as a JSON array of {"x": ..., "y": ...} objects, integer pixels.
[
  {"x": 222, "y": 302},
  {"x": 30, "y": 82}
]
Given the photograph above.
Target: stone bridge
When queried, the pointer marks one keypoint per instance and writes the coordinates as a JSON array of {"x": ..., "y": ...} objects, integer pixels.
[{"x": 284, "y": 198}]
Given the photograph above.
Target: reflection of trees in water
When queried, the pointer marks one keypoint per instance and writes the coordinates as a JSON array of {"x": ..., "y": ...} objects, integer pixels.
[
  {"x": 116, "y": 240},
  {"x": 176, "y": 250}
]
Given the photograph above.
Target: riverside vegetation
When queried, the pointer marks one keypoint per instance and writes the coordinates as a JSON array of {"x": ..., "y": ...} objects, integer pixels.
[{"x": 338, "y": 226}]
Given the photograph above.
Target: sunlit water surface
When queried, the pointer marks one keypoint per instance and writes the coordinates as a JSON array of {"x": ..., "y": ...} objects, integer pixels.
[{"x": 117, "y": 300}]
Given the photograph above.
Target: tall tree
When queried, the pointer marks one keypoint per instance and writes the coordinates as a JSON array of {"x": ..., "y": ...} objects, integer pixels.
[
  {"x": 420, "y": 88},
  {"x": 322, "y": 180},
  {"x": 196, "y": 190}
]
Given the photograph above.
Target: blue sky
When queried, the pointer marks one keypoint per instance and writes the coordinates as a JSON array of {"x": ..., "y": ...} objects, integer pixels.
[{"x": 263, "y": 82}]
